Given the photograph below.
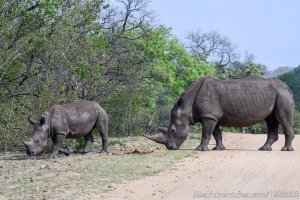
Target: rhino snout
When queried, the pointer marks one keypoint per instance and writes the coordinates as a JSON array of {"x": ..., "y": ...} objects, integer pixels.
[
  {"x": 172, "y": 147},
  {"x": 30, "y": 153}
]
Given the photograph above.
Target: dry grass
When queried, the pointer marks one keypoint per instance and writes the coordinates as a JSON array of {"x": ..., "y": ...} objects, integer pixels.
[{"x": 85, "y": 176}]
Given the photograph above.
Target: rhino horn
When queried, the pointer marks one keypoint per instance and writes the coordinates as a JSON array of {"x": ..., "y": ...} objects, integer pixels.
[
  {"x": 159, "y": 138},
  {"x": 163, "y": 129},
  {"x": 31, "y": 121},
  {"x": 27, "y": 143}
]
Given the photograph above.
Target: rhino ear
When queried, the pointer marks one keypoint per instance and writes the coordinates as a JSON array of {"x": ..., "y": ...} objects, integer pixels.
[
  {"x": 42, "y": 120},
  {"x": 180, "y": 102},
  {"x": 31, "y": 121},
  {"x": 163, "y": 129}
]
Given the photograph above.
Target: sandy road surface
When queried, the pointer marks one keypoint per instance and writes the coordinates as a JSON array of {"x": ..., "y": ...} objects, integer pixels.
[{"x": 240, "y": 172}]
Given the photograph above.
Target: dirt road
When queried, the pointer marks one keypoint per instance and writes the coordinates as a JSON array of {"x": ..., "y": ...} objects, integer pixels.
[{"x": 240, "y": 172}]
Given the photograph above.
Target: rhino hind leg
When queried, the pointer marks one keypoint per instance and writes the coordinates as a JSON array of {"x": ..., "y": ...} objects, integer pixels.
[
  {"x": 272, "y": 124},
  {"x": 104, "y": 138},
  {"x": 102, "y": 127},
  {"x": 218, "y": 137},
  {"x": 208, "y": 126},
  {"x": 284, "y": 114},
  {"x": 88, "y": 141},
  {"x": 289, "y": 136}
]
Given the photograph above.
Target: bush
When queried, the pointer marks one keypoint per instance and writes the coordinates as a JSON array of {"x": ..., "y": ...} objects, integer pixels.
[
  {"x": 257, "y": 128},
  {"x": 297, "y": 122}
]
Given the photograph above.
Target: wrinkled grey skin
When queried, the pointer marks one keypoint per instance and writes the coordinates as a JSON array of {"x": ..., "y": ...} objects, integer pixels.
[
  {"x": 232, "y": 103},
  {"x": 73, "y": 120}
]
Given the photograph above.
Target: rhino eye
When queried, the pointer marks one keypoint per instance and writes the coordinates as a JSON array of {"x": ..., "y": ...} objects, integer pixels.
[{"x": 37, "y": 141}]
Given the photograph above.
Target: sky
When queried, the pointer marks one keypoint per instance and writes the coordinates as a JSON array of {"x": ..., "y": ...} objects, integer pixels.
[{"x": 269, "y": 29}]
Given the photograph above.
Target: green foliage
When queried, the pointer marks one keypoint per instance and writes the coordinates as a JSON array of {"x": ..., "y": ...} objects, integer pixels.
[
  {"x": 257, "y": 128},
  {"x": 297, "y": 122},
  {"x": 292, "y": 79},
  {"x": 241, "y": 69},
  {"x": 167, "y": 70}
]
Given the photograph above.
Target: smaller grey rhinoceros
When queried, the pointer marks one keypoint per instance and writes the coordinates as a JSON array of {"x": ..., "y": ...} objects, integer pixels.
[{"x": 72, "y": 120}]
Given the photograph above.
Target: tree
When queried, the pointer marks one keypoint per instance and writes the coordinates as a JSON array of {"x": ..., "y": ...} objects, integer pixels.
[
  {"x": 164, "y": 71},
  {"x": 211, "y": 47},
  {"x": 238, "y": 69}
]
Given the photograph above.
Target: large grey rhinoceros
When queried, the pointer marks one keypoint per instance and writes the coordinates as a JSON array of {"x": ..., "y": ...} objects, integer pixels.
[
  {"x": 72, "y": 120},
  {"x": 234, "y": 103}
]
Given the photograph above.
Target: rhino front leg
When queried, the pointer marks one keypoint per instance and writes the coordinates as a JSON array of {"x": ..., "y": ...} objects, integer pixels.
[
  {"x": 218, "y": 137},
  {"x": 58, "y": 141},
  {"x": 65, "y": 151},
  {"x": 208, "y": 126}
]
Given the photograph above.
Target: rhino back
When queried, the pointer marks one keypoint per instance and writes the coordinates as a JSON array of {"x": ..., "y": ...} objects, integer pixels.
[
  {"x": 75, "y": 119},
  {"x": 239, "y": 102}
]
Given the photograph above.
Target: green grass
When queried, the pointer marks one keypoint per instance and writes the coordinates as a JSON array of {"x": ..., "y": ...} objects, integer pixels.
[{"x": 85, "y": 176}]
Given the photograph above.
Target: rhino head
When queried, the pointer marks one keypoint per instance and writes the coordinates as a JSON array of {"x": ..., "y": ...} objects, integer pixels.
[
  {"x": 177, "y": 132},
  {"x": 38, "y": 140}
]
